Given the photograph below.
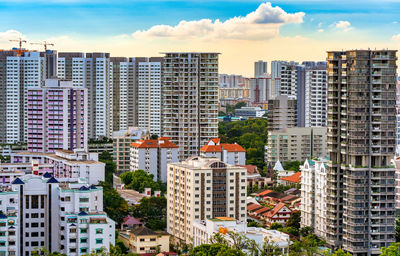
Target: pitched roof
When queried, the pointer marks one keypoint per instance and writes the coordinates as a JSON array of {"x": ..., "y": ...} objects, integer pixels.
[
  {"x": 251, "y": 169},
  {"x": 17, "y": 181},
  {"x": 143, "y": 231},
  {"x": 289, "y": 198},
  {"x": 52, "y": 180},
  {"x": 252, "y": 207},
  {"x": 264, "y": 193},
  {"x": 295, "y": 178},
  {"x": 211, "y": 148},
  {"x": 275, "y": 210},
  {"x": 274, "y": 194},
  {"x": 262, "y": 210},
  {"x": 162, "y": 142},
  {"x": 47, "y": 175},
  {"x": 278, "y": 166},
  {"x": 215, "y": 141},
  {"x": 233, "y": 147}
]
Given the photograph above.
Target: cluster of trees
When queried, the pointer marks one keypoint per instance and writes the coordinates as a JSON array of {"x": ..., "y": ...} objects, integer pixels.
[
  {"x": 152, "y": 211},
  {"x": 251, "y": 134},
  {"x": 139, "y": 180},
  {"x": 230, "y": 109},
  {"x": 105, "y": 157},
  {"x": 291, "y": 166}
]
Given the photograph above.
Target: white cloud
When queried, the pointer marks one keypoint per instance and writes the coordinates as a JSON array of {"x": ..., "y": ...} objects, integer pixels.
[
  {"x": 343, "y": 25},
  {"x": 320, "y": 24},
  {"x": 263, "y": 23},
  {"x": 10, "y": 35},
  {"x": 396, "y": 37},
  {"x": 394, "y": 22},
  {"x": 320, "y": 30}
]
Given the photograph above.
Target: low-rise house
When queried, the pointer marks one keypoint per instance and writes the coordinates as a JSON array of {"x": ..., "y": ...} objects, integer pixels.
[
  {"x": 204, "y": 230},
  {"x": 142, "y": 240},
  {"x": 279, "y": 214},
  {"x": 292, "y": 180},
  {"x": 130, "y": 223}
]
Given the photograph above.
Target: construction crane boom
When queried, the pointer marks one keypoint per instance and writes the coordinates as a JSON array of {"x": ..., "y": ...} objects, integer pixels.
[
  {"x": 45, "y": 44},
  {"x": 20, "y": 42}
]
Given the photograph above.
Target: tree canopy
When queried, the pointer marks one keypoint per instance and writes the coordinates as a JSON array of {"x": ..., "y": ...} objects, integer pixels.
[
  {"x": 110, "y": 168},
  {"x": 153, "y": 211},
  {"x": 251, "y": 134},
  {"x": 114, "y": 205},
  {"x": 139, "y": 180}
]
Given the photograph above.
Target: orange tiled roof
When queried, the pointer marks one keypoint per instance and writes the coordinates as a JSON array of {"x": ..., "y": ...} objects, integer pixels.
[
  {"x": 211, "y": 148},
  {"x": 265, "y": 192},
  {"x": 154, "y": 143},
  {"x": 251, "y": 169},
  {"x": 253, "y": 207},
  {"x": 295, "y": 178},
  {"x": 262, "y": 210},
  {"x": 233, "y": 147},
  {"x": 274, "y": 211}
]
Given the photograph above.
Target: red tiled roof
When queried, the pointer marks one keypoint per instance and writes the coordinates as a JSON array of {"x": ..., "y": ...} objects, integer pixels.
[
  {"x": 251, "y": 169},
  {"x": 295, "y": 178},
  {"x": 265, "y": 192},
  {"x": 154, "y": 143},
  {"x": 145, "y": 144},
  {"x": 253, "y": 207},
  {"x": 274, "y": 211},
  {"x": 289, "y": 198},
  {"x": 211, "y": 148},
  {"x": 262, "y": 210},
  {"x": 233, "y": 147}
]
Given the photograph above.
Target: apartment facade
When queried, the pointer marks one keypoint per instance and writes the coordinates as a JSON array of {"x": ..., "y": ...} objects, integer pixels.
[
  {"x": 190, "y": 100},
  {"x": 57, "y": 117},
  {"x": 203, "y": 188},
  {"x": 313, "y": 196},
  {"x": 361, "y": 145},
  {"x": 21, "y": 69},
  {"x": 260, "y": 68},
  {"x": 232, "y": 154},
  {"x": 282, "y": 113},
  {"x": 297, "y": 144},
  {"x": 38, "y": 211},
  {"x": 153, "y": 156}
]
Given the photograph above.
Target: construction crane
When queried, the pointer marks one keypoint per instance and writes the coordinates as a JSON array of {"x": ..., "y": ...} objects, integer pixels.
[
  {"x": 20, "y": 42},
  {"x": 45, "y": 44}
]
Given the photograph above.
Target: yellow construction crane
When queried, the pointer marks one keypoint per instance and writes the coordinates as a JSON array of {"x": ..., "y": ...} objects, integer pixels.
[
  {"x": 20, "y": 42},
  {"x": 45, "y": 44}
]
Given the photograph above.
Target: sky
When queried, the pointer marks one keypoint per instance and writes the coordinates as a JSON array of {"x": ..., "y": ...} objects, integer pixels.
[{"x": 243, "y": 31}]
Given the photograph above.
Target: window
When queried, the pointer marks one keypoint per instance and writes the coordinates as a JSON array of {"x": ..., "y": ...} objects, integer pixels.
[
  {"x": 141, "y": 239},
  {"x": 34, "y": 234},
  {"x": 84, "y": 230},
  {"x": 83, "y": 200},
  {"x": 2, "y": 233},
  {"x": 2, "y": 243},
  {"x": 84, "y": 240},
  {"x": 152, "y": 239},
  {"x": 99, "y": 240},
  {"x": 84, "y": 250},
  {"x": 99, "y": 231}
]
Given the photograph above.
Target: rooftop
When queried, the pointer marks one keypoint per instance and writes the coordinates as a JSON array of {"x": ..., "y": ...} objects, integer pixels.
[{"x": 295, "y": 178}]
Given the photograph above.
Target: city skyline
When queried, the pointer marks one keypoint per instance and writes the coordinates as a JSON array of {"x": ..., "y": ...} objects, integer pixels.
[{"x": 287, "y": 30}]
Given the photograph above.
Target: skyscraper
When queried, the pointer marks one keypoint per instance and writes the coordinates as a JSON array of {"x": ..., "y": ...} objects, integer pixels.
[
  {"x": 361, "y": 144},
  {"x": 20, "y": 70},
  {"x": 57, "y": 117},
  {"x": 190, "y": 100},
  {"x": 260, "y": 68}
]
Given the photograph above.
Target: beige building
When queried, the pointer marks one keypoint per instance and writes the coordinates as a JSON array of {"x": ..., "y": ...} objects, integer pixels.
[
  {"x": 296, "y": 144},
  {"x": 282, "y": 112},
  {"x": 142, "y": 240},
  {"x": 190, "y": 100},
  {"x": 203, "y": 188},
  {"x": 122, "y": 144}
]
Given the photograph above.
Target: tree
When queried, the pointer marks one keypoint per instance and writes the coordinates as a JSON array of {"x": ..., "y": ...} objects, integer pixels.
[
  {"x": 276, "y": 225},
  {"x": 292, "y": 166},
  {"x": 290, "y": 230},
  {"x": 110, "y": 167},
  {"x": 305, "y": 231},
  {"x": 339, "y": 252},
  {"x": 392, "y": 250},
  {"x": 114, "y": 205},
  {"x": 139, "y": 180},
  {"x": 44, "y": 252},
  {"x": 253, "y": 223},
  {"x": 294, "y": 220},
  {"x": 154, "y": 137},
  {"x": 215, "y": 250},
  {"x": 153, "y": 211}
]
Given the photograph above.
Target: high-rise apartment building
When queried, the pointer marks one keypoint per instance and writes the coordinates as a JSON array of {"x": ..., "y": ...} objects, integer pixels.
[
  {"x": 149, "y": 95},
  {"x": 57, "y": 116},
  {"x": 282, "y": 113},
  {"x": 361, "y": 144},
  {"x": 38, "y": 211},
  {"x": 20, "y": 70},
  {"x": 203, "y": 188},
  {"x": 313, "y": 196},
  {"x": 190, "y": 100},
  {"x": 231, "y": 81},
  {"x": 261, "y": 89},
  {"x": 260, "y": 68},
  {"x": 296, "y": 144},
  {"x": 92, "y": 70}
]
